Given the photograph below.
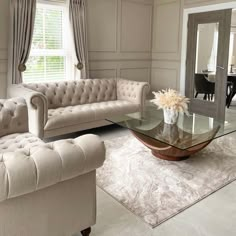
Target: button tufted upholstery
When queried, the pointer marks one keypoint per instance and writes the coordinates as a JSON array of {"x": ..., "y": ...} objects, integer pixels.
[
  {"x": 13, "y": 116},
  {"x": 76, "y": 104},
  {"x": 132, "y": 91},
  {"x": 71, "y": 93},
  {"x": 28, "y": 164},
  {"x": 52, "y": 184},
  {"x": 34, "y": 165},
  {"x": 18, "y": 142}
]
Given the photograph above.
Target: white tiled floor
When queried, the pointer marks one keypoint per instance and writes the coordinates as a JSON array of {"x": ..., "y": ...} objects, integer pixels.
[{"x": 213, "y": 216}]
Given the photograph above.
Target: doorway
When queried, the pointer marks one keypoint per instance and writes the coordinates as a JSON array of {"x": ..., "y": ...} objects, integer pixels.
[{"x": 206, "y": 62}]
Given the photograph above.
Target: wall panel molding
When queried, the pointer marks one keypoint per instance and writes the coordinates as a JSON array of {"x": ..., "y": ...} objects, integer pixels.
[
  {"x": 3, "y": 54},
  {"x": 3, "y": 72},
  {"x": 122, "y": 61},
  {"x": 166, "y": 37},
  {"x": 119, "y": 56},
  {"x": 3, "y": 61},
  {"x": 3, "y": 66},
  {"x": 200, "y": 2},
  {"x": 103, "y": 73},
  {"x": 146, "y": 2},
  {"x": 138, "y": 74},
  {"x": 167, "y": 78},
  {"x": 166, "y": 46},
  {"x": 132, "y": 38},
  {"x": 103, "y": 65},
  {"x": 166, "y": 56},
  {"x": 102, "y": 25},
  {"x": 3, "y": 85},
  {"x": 164, "y": 2},
  {"x": 165, "y": 74},
  {"x": 135, "y": 70}
]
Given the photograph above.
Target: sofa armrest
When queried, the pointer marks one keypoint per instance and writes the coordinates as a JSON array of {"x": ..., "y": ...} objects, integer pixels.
[
  {"x": 13, "y": 116},
  {"x": 39, "y": 167},
  {"x": 132, "y": 91},
  {"x": 37, "y": 107}
]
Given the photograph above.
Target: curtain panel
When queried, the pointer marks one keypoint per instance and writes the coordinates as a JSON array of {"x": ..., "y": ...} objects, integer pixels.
[
  {"x": 78, "y": 22},
  {"x": 22, "y": 16}
]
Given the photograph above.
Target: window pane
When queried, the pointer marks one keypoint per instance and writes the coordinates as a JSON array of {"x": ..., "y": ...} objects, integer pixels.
[
  {"x": 53, "y": 29},
  {"x": 55, "y": 68},
  {"x": 45, "y": 68},
  {"x": 48, "y": 29},
  {"x": 38, "y": 39},
  {"x": 35, "y": 69},
  {"x": 47, "y": 60}
]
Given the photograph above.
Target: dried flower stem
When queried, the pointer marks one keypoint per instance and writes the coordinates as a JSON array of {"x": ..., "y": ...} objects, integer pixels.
[{"x": 171, "y": 99}]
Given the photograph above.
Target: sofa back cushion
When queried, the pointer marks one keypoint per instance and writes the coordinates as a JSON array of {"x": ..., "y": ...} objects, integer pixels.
[
  {"x": 13, "y": 116},
  {"x": 71, "y": 93}
]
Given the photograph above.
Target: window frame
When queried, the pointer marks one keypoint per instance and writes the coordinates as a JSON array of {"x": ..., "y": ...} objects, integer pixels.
[{"x": 66, "y": 51}]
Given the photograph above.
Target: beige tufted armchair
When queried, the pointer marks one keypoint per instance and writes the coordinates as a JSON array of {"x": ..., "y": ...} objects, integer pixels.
[
  {"x": 70, "y": 106},
  {"x": 45, "y": 189}
]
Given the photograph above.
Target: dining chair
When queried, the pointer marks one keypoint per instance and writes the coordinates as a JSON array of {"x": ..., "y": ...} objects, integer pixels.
[{"x": 203, "y": 86}]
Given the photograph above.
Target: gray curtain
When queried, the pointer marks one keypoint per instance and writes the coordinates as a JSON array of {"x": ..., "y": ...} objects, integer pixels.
[
  {"x": 78, "y": 22},
  {"x": 22, "y": 16}
]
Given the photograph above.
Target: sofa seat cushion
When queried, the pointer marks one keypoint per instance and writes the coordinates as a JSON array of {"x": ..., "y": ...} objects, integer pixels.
[
  {"x": 18, "y": 141},
  {"x": 73, "y": 115}
]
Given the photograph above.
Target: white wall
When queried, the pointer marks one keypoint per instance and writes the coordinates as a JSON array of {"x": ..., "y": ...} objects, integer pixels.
[
  {"x": 120, "y": 38},
  {"x": 4, "y": 10}
]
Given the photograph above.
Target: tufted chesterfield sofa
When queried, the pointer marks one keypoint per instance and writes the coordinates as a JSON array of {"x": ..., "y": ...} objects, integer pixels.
[
  {"x": 46, "y": 189},
  {"x": 70, "y": 106}
]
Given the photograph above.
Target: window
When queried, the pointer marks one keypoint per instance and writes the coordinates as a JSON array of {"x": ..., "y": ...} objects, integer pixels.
[{"x": 50, "y": 56}]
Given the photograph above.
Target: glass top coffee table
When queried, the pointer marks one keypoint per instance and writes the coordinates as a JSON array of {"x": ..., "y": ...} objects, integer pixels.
[{"x": 173, "y": 142}]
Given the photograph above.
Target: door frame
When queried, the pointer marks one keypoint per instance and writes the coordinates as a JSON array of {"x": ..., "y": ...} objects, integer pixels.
[
  {"x": 214, "y": 108},
  {"x": 186, "y": 12}
]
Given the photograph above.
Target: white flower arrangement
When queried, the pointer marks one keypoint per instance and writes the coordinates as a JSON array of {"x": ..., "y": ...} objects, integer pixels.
[{"x": 171, "y": 99}]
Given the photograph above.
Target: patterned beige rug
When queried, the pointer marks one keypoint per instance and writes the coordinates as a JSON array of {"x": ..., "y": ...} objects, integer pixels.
[{"x": 156, "y": 190}]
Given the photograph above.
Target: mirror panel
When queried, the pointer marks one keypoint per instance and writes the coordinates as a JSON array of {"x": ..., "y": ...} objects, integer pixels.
[{"x": 206, "y": 60}]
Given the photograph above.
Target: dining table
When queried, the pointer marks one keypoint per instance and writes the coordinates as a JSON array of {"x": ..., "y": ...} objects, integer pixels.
[{"x": 231, "y": 85}]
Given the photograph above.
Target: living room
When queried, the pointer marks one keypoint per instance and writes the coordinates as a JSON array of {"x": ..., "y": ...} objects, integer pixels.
[{"x": 84, "y": 150}]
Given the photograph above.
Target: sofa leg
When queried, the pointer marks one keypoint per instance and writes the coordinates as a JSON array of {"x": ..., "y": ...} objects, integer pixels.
[{"x": 86, "y": 232}]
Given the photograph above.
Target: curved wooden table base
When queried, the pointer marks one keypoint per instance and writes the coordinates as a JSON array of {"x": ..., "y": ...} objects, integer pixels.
[{"x": 167, "y": 152}]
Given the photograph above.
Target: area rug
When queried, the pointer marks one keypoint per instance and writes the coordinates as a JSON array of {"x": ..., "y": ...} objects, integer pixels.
[{"x": 156, "y": 190}]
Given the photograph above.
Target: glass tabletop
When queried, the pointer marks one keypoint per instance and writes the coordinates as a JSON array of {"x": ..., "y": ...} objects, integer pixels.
[{"x": 188, "y": 132}]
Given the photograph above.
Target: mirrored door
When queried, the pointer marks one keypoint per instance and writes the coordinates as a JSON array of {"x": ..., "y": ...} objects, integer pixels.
[{"x": 207, "y": 62}]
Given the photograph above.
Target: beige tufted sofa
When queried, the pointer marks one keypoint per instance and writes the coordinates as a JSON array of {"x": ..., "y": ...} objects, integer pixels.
[
  {"x": 46, "y": 189},
  {"x": 69, "y": 106}
]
